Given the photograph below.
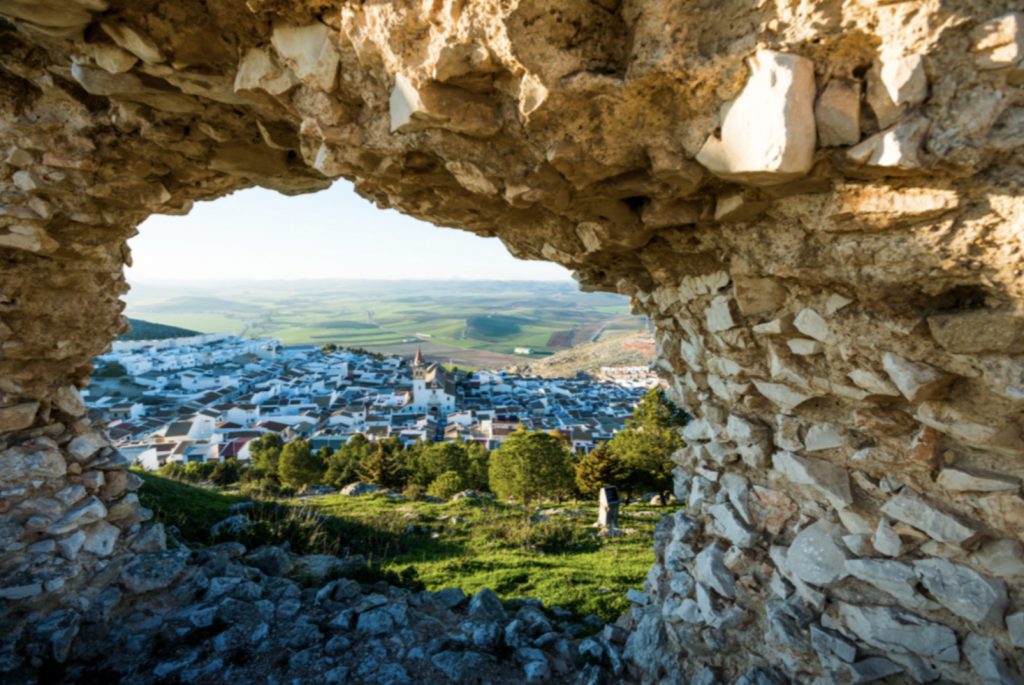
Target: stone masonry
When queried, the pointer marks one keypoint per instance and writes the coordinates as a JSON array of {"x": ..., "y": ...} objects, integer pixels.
[{"x": 818, "y": 203}]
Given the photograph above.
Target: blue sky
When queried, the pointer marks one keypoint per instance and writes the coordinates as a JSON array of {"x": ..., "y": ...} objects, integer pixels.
[{"x": 259, "y": 234}]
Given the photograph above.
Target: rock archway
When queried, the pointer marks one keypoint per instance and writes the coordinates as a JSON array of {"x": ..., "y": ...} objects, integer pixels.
[{"x": 817, "y": 203}]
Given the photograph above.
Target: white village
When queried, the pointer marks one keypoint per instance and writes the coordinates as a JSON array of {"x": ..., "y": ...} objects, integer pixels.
[{"x": 204, "y": 398}]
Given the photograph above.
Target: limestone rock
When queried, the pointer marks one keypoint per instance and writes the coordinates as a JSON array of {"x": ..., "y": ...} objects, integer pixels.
[
  {"x": 886, "y": 540},
  {"x": 897, "y": 147},
  {"x": 310, "y": 52},
  {"x": 18, "y": 416},
  {"x": 258, "y": 69},
  {"x": 758, "y": 295},
  {"x": 917, "y": 381},
  {"x": 964, "y": 591},
  {"x": 88, "y": 511},
  {"x": 134, "y": 41},
  {"x": 783, "y": 396},
  {"x": 151, "y": 571},
  {"x": 902, "y": 632},
  {"x": 999, "y": 42},
  {"x": 988, "y": 662},
  {"x": 837, "y": 113},
  {"x": 979, "y": 331},
  {"x": 711, "y": 570},
  {"x": 37, "y": 459},
  {"x": 912, "y": 509},
  {"x": 1003, "y": 558},
  {"x": 270, "y": 559},
  {"x": 768, "y": 133},
  {"x": 960, "y": 480},
  {"x": 904, "y": 80},
  {"x": 100, "y": 538},
  {"x": 1015, "y": 626},
  {"x": 85, "y": 446},
  {"x": 817, "y": 555},
  {"x": 896, "y": 578},
  {"x": 830, "y": 480},
  {"x": 949, "y": 419}
]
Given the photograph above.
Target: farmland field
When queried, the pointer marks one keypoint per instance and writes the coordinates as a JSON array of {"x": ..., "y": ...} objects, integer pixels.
[{"x": 470, "y": 323}]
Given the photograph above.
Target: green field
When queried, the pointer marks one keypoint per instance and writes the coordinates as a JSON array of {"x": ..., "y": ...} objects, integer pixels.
[
  {"x": 491, "y": 316},
  {"x": 470, "y": 544}
]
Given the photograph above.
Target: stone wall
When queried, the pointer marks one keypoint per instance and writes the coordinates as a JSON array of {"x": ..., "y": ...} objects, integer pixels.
[{"x": 817, "y": 203}]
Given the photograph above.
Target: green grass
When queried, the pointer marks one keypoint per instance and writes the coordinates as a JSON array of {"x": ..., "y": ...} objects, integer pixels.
[
  {"x": 562, "y": 561},
  {"x": 478, "y": 543},
  {"x": 192, "y": 509}
]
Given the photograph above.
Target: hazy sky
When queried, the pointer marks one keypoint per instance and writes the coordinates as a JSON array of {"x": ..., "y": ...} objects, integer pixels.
[{"x": 260, "y": 234}]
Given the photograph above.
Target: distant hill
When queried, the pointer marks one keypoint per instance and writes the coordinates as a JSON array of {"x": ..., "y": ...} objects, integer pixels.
[
  {"x": 147, "y": 330},
  {"x": 201, "y": 303},
  {"x": 633, "y": 349}
]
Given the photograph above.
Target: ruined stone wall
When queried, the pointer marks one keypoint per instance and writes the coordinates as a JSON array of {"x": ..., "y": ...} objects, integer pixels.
[{"x": 817, "y": 203}]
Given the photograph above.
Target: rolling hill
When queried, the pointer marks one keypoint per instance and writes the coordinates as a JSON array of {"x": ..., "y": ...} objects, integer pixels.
[{"x": 147, "y": 330}]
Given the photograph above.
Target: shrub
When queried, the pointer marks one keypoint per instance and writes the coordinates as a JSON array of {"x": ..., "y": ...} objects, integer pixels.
[
  {"x": 226, "y": 472},
  {"x": 414, "y": 491},
  {"x": 304, "y": 531},
  {"x": 446, "y": 485}
]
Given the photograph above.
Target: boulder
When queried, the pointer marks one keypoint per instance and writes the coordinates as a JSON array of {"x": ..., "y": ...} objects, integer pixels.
[
  {"x": 270, "y": 559},
  {"x": 360, "y": 488}
]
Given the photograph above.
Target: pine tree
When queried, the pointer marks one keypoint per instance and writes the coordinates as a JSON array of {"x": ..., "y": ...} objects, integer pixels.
[
  {"x": 596, "y": 470},
  {"x": 381, "y": 468},
  {"x": 299, "y": 466}
]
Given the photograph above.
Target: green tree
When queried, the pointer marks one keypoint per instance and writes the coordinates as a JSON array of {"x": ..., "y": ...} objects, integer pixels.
[
  {"x": 381, "y": 468},
  {"x": 645, "y": 456},
  {"x": 446, "y": 485},
  {"x": 298, "y": 465},
  {"x": 478, "y": 457},
  {"x": 264, "y": 452},
  {"x": 343, "y": 465},
  {"x": 530, "y": 465},
  {"x": 430, "y": 460},
  {"x": 655, "y": 411},
  {"x": 226, "y": 472},
  {"x": 597, "y": 469}
]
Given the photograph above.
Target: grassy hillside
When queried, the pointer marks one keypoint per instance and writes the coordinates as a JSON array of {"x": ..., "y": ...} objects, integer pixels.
[
  {"x": 147, "y": 330},
  {"x": 631, "y": 349},
  {"x": 472, "y": 544}
]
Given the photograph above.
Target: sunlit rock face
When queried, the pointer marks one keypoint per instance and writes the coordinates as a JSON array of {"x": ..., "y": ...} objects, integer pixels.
[{"x": 817, "y": 203}]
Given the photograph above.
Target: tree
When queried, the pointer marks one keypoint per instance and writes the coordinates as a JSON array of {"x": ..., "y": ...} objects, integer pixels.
[
  {"x": 478, "y": 457},
  {"x": 645, "y": 455},
  {"x": 298, "y": 466},
  {"x": 381, "y": 468},
  {"x": 446, "y": 485},
  {"x": 655, "y": 411},
  {"x": 597, "y": 469},
  {"x": 530, "y": 465},
  {"x": 429, "y": 461},
  {"x": 226, "y": 472},
  {"x": 264, "y": 452},
  {"x": 343, "y": 465}
]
